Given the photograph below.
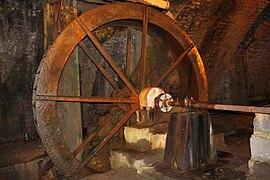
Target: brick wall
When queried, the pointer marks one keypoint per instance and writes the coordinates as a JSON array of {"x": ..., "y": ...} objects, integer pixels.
[
  {"x": 241, "y": 20},
  {"x": 220, "y": 28},
  {"x": 257, "y": 56}
]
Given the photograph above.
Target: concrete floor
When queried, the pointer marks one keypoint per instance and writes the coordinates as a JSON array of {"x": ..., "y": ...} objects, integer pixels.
[{"x": 231, "y": 162}]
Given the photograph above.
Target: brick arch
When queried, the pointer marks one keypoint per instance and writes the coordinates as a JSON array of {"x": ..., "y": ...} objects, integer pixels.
[
  {"x": 225, "y": 72},
  {"x": 256, "y": 58},
  {"x": 249, "y": 68}
]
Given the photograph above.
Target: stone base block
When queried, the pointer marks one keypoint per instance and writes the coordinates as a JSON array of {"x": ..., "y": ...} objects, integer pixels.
[
  {"x": 27, "y": 171},
  {"x": 142, "y": 139},
  {"x": 133, "y": 159},
  {"x": 262, "y": 123},
  {"x": 259, "y": 146},
  {"x": 258, "y": 170}
]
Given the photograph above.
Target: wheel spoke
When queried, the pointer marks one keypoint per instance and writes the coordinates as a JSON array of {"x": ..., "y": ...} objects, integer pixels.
[
  {"x": 155, "y": 68},
  {"x": 106, "y": 56},
  {"x": 99, "y": 66},
  {"x": 93, "y": 99},
  {"x": 120, "y": 123},
  {"x": 144, "y": 47},
  {"x": 173, "y": 66},
  {"x": 85, "y": 142},
  {"x": 128, "y": 60}
]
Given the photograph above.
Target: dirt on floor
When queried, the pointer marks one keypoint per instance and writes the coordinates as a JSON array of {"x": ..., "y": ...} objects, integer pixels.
[
  {"x": 231, "y": 161},
  {"x": 19, "y": 152}
]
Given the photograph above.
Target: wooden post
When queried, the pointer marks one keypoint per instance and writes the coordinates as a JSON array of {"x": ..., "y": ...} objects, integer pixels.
[{"x": 189, "y": 141}]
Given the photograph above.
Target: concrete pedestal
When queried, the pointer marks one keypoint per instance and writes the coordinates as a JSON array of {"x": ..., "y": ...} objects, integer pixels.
[
  {"x": 145, "y": 142},
  {"x": 133, "y": 159},
  {"x": 259, "y": 164},
  {"x": 143, "y": 139},
  {"x": 144, "y": 147}
]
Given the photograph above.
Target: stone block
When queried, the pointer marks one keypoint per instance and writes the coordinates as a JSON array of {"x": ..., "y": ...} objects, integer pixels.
[
  {"x": 26, "y": 170},
  {"x": 142, "y": 139},
  {"x": 259, "y": 146},
  {"x": 258, "y": 170},
  {"x": 134, "y": 159},
  {"x": 261, "y": 123}
]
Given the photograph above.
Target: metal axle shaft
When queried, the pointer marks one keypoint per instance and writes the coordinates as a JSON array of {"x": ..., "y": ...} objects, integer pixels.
[{"x": 251, "y": 109}]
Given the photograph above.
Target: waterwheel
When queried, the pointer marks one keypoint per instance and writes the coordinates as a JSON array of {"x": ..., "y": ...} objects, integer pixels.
[{"x": 173, "y": 61}]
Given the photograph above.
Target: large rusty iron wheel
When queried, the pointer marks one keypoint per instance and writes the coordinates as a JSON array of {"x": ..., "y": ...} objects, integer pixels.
[{"x": 151, "y": 22}]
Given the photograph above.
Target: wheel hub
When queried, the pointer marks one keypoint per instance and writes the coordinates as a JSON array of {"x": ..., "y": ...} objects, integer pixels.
[{"x": 147, "y": 97}]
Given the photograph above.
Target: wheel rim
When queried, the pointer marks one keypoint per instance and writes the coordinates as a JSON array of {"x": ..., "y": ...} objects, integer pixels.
[{"x": 49, "y": 72}]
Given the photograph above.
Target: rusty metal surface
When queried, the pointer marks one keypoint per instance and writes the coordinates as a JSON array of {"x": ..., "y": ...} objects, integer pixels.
[
  {"x": 143, "y": 67},
  {"x": 49, "y": 72},
  {"x": 94, "y": 99},
  {"x": 128, "y": 59},
  {"x": 166, "y": 74},
  {"x": 106, "y": 55},
  {"x": 85, "y": 142},
  {"x": 99, "y": 66},
  {"x": 121, "y": 122},
  {"x": 251, "y": 109},
  {"x": 163, "y": 4}
]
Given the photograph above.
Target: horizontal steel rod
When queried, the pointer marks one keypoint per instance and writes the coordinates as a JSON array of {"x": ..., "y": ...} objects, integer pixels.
[
  {"x": 251, "y": 109},
  {"x": 94, "y": 99}
]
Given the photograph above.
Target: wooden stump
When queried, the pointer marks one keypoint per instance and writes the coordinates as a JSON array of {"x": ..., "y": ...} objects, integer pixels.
[{"x": 189, "y": 141}]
